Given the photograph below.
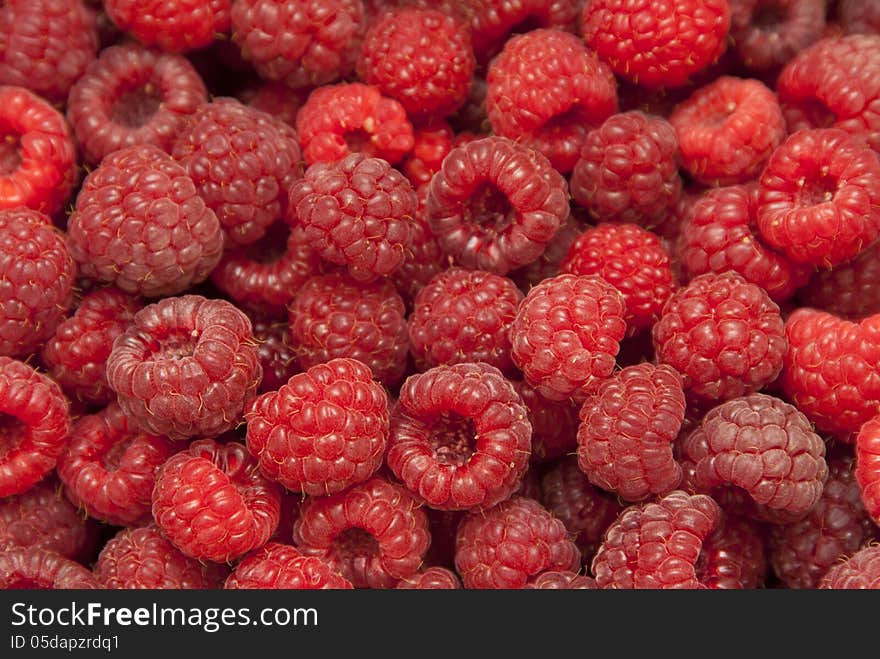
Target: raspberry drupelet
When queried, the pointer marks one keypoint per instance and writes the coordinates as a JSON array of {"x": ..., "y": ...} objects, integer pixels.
[
  {"x": 850, "y": 290},
  {"x": 276, "y": 566},
  {"x": 733, "y": 557},
  {"x": 178, "y": 26},
  {"x": 861, "y": 571},
  {"x": 554, "y": 423},
  {"x": 867, "y": 471},
  {"x": 433, "y": 578},
  {"x": 33, "y": 568}
]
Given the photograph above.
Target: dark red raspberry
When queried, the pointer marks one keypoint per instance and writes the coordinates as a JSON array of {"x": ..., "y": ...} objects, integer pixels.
[
  {"x": 276, "y": 99},
  {"x": 37, "y": 276},
  {"x": 566, "y": 335},
  {"x": 656, "y": 46},
  {"x": 301, "y": 43},
  {"x": 212, "y": 502},
  {"x": 554, "y": 423},
  {"x": 374, "y": 534},
  {"x": 547, "y": 265},
  {"x": 34, "y": 422},
  {"x": 76, "y": 354},
  {"x": 460, "y": 437},
  {"x": 172, "y": 26},
  {"x": 431, "y": 144},
  {"x": 433, "y": 578},
  {"x": 33, "y": 568},
  {"x": 505, "y": 546},
  {"x": 142, "y": 558},
  {"x": 867, "y": 471},
  {"x": 546, "y": 90},
  {"x": 186, "y": 367},
  {"x": 858, "y": 16},
  {"x": 276, "y": 357},
  {"x": 492, "y": 22},
  {"x": 132, "y": 95},
  {"x": 334, "y": 316},
  {"x": 276, "y": 566},
  {"x": 562, "y": 580},
  {"x": 861, "y": 571},
  {"x": 766, "y": 34},
  {"x": 733, "y": 557},
  {"x": 37, "y": 153},
  {"x": 850, "y": 290},
  {"x": 723, "y": 334}
]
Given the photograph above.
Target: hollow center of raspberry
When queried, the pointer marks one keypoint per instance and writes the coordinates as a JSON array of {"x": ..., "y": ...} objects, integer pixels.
[
  {"x": 359, "y": 141},
  {"x": 490, "y": 208},
  {"x": 272, "y": 246},
  {"x": 818, "y": 191},
  {"x": 817, "y": 113},
  {"x": 113, "y": 456},
  {"x": 136, "y": 107},
  {"x": 10, "y": 154},
  {"x": 355, "y": 543},
  {"x": 453, "y": 439},
  {"x": 12, "y": 431},
  {"x": 175, "y": 346}
]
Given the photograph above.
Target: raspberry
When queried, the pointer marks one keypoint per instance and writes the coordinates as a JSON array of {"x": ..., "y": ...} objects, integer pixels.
[
  {"x": 506, "y": 545},
  {"x": 656, "y": 46},
  {"x": 140, "y": 225},
  {"x": 131, "y": 95},
  {"x": 213, "y": 504},
  {"x": 301, "y": 43},
  {"x": 547, "y": 265},
  {"x": 109, "y": 468},
  {"x": 277, "y": 566},
  {"x": 276, "y": 99},
  {"x": 554, "y": 423},
  {"x": 632, "y": 260},
  {"x": 36, "y": 280},
  {"x": 335, "y": 316},
  {"x": 561, "y": 580},
  {"x": 356, "y": 212},
  {"x": 858, "y": 17},
  {"x": 566, "y": 335},
  {"x": 142, "y": 558},
  {"x": 276, "y": 357},
  {"x": 433, "y": 578},
  {"x": 657, "y": 544},
  {"x": 733, "y": 556},
  {"x": 242, "y": 162},
  {"x": 859, "y": 571},
  {"x": 76, "y": 354},
  {"x": 175, "y": 26},
  {"x": 627, "y": 170},
  {"x": 374, "y": 533},
  {"x": 33, "y": 568},
  {"x": 186, "y": 367},
  {"x": 460, "y": 437},
  {"x": 493, "y": 22},
  {"x": 867, "y": 471},
  {"x": 482, "y": 213},
  {"x": 728, "y": 129},
  {"x": 45, "y": 45},
  {"x": 723, "y": 334},
  {"x": 34, "y": 422},
  {"x": 431, "y": 144},
  {"x": 627, "y": 429},
  {"x": 767, "y": 33},
  {"x": 547, "y": 90},
  {"x": 850, "y": 290},
  {"x": 37, "y": 153},
  {"x": 337, "y": 120}
]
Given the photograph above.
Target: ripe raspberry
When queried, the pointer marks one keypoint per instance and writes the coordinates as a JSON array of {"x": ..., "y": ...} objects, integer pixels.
[
  {"x": 432, "y": 142},
  {"x": 546, "y": 90},
  {"x": 242, "y": 162},
  {"x": 76, "y": 354},
  {"x": 34, "y": 422},
  {"x": 425, "y": 258},
  {"x": 561, "y": 580},
  {"x": 37, "y": 153},
  {"x": 175, "y": 26},
  {"x": 131, "y": 95},
  {"x": 33, "y": 568},
  {"x": 656, "y": 46},
  {"x": 632, "y": 260},
  {"x": 506, "y": 545},
  {"x": 493, "y": 22},
  {"x": 860, "y": 571},
  {"x": 766, "y": 34},
  {"x": 728, "y": 129},
  {"x": 276, "y": 357},
  {"x": 276, "y": 566},
  {"x": 374, "y": 533},
  {"x": 433, "y": 578},
  {"x": 460, "y": 437},
  {"x": 337, "y": 120},
  {"x": 723, "y": 334},
  {"x": 850, "y": 290},
  {"x": 186, "y": 367},
  {"x": 140, "y": 224},
  {"x": 276, "y": 99},
  {"x": 547, "y": 265},
  {"x": 566, "y": 335},
  {"x": 733, "y": 556},
  {"x": 36, "y": 280},
  {"x": 858, "y": 16},
  {"x": 554, "y": 423},
  {"x": 301, "y": 43},
  {"x": 482, "y": 214},
  {"x": 213, "y": 504},
  {"x": 335, "y": 316},
  {"x": 867, "y": 470},
  {"x": 142, "y": 558}
]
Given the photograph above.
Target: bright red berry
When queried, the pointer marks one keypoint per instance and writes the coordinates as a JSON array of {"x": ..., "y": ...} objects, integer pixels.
[
  {"x": 861, "y": 571},
  {"x": 277, "y": 566},
  {"x": 33, "y": 568},
  {"x": 867, "y": 471},
  {"x": 172, "y": 26},
  {"x": 433, "y": 578}
]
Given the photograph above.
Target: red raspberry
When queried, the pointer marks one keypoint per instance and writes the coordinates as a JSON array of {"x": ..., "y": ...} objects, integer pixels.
[
  {"x": 723, "y": 334},
  {"x": 433, "y": 578},
  {"x": 34, "y": 422},
  {"x": 142, "y": 558},
  {"x": 276, "y": 99},
  {"x": 561, "y": 580},
  {"x": 867, "y": 470},
  {"x": 335, "y": 316},
  {"x": 45, "y": 45},
  {"x": 504, "y": 546},
  {"x": 276, "y": 357},
  {"x": 627, "y": 170},
  {"x": 301, "y": 43},
  {"x": 171, "y": 25},
  {"x": 546, "y": 89},
  {"x": 186, "y": 367},
  {"x": 766, "y": 34},
  {"x": 482, "y": 213},
  {"x": 213, "y": 504},
  {"x": 861, "y": 571},
  {"x": 858, "y": 16},
  {"x": 566, "y": 335},
  {"x": 33, "y": 568},
  {"x": 431, "y": 144},
  {"x": 627, "y": 429},
  {"x": 36, "y": 280},
  {"x": 719, "y": 234},
  {"x": 276, "y": 566},
  {"x": 656, "y": 45},
  {"x": 733, "y": 556},
  {"x": 37, "y": 153},
  {"x": 492, "y": 22},
  {"x": 109, "y": 468},
  {"x": 554, "y": 423},
  {"x": 547, "y": 265},
  {"x": 374, "y": 533},
  {"x": 728, "y": 129},
  {"x": 850, "y": 290},
  {"x": 76, "y": 355},
  {"x": 460, "y": 437}
]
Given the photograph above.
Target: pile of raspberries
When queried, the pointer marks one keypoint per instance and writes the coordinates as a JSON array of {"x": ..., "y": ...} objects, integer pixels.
[{"x": 432, "y": 294}]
